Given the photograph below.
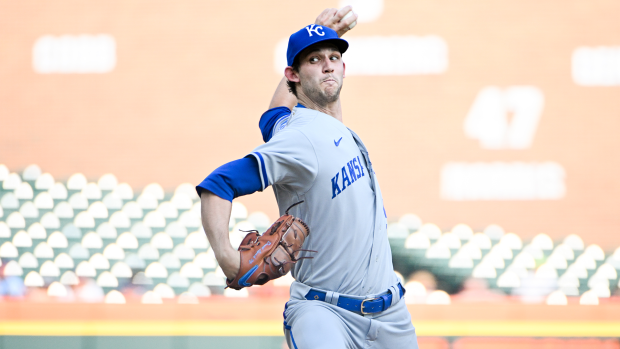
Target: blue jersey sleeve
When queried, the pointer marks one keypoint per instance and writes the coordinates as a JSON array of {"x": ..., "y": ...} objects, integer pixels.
[
  {"x": 234, "y": 179},
  {"x": 271, "y": 118}
]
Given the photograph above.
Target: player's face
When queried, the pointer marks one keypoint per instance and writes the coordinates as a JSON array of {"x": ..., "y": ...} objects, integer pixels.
[{"x": 321, "y": 72}]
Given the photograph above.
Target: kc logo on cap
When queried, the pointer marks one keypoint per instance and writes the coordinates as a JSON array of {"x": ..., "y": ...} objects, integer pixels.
[{"x": 315, "y": 28}]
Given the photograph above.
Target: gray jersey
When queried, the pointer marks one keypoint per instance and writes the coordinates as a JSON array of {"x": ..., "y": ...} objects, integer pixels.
[{"x": 315, "y": 158}]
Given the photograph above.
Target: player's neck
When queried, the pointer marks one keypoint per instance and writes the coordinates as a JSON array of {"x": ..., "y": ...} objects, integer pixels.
[{"x": 332, "y": 109}]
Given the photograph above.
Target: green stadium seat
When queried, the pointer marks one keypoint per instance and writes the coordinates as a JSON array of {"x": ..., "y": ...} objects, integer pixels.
[
  {"x": 397, "y": 231},
  {"x": 50, "y": 221},
  {"x": 162, "y": 241},
  {"x": 484, "y": 271},
  {"x": 494, "y": 232},
  {"x": 78, "y": 202},
  {"x": 11, "y": 182},
  {"x": 417, "y": 241},
  {"x": 188, "y": 189},
  {"x": 91, "y": 192},
  {"x": 150, "y": 297},
  {"x": 148, "y": 252},
  {"x": 178, "y": 282},
  {"x": 199, "y": 290},
  {"x": 12, "y": 268},
  {"x": 411, "y": 221},
  {"x": 121, "y": 270},
  {"x": 431, "y": 230},
  {"x": 99, "y": 262},
  {"x": 107, "y": 232},
  {"x": 64, "y": 262},
  {"x": 44, "y": 201},
  {"x": 72, "y": 232},
  {"x": 190, "y": 220},
  {"x": 113, "y": 202},
  {"x": 114, "y": 297},
  {"x": 64, "y": 210},
  {"x": 120, "y": 220},
  {"x": 114, "y": 252},
  {"x": 133, "y": 210},
  {"x": 508, "y": 280},
  {"x": 192, "y": 271},
  {"x": 157, "y": 272},
  {"x": 43, "y": 251},
  {"x": 198, "y": 241},
  {"x": 170, "y": 261},
  {"x": 134, "y": 261},
  {"x": 574, "y": 242},
  {"x": 9, "y": 202},
  {"x": 37, "y": 231},
  {"x": 206, "y": 260},
  {"x": 78, "y": 252},
  {"x": 98, "y": 210},
  {"x": 16, "y": 221},
  {"x": 127, "y": 241},
  {"x": 107, "y": 281},
  {"x": 93, "y": 242},
  {"x": 84, "y": 220},
  {"x": 213, "y": 279},
  {"x": 58, "y": 192},
  {"x": 49, "y": 270},
  {"x": 155, "y": 190},
  {"x": 24, "y": 191},
  {"x": 565, "y": 251},
  {"x": 184, "y": 252},
  {"x": 107, "y": 182},
  {"x": 76, "y": 182},
  {"x": 141, "y": 279},
  {"x": 22, "y": 241},
  {"x": 463, "y": 232},
  {"x": 182, "y": 201},
  {"x": 5, "y": 232}
]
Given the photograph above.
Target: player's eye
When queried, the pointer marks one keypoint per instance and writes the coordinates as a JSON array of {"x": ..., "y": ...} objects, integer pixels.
[{"x": 314, "y": 59}]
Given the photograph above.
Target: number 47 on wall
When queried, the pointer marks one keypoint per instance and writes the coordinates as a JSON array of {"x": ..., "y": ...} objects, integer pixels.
[{"x": 489, "y": 119}]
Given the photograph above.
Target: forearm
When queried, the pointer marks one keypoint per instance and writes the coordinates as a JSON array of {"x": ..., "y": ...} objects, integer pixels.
[
  {"x": 215, "y": 218},
  {"x": 283, "y": 97}
]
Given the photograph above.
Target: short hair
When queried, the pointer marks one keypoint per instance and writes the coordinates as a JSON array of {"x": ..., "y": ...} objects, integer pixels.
[{"x": 291, "y": 85}]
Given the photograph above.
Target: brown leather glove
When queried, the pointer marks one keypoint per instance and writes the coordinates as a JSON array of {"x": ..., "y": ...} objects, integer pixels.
[{"x": 271, "y": 255}]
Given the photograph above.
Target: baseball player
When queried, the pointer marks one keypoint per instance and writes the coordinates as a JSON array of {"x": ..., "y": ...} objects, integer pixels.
[{"x": 346, "y": 294}]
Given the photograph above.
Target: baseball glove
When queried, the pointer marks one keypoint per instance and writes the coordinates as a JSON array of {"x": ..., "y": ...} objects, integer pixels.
[{"x": 271, "y": 255}]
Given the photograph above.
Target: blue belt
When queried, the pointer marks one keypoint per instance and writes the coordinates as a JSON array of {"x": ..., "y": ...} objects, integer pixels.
[{"x": 364, "y": 306}]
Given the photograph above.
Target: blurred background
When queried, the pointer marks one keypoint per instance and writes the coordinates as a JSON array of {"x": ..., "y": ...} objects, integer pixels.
[{"x": 492, "y": 127}]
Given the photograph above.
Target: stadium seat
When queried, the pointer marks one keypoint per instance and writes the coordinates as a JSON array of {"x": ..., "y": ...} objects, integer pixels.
[
  {"x": 69, "y": 278},
  {"x": 12, "y": 268},
  {"x": 150, "y": 297},
  {"x": 482, "y": 241},
  {"x": 156, "y": 271},
  {"x": 27, "y": 261},
  {"x": 112, "y": 201},
  {"x": 431, "y": 230},
  {"x": 232, "y": 293},
  {"x": 543, "y": 242},
  {"x": 484, "y": 271},
  {"x": 141, "y": 279},
  {"x": 238, "y": 211},
  {"x": 50, "y": 221},
  {"x": 192, "y": 271},
  {"x": 411, "y": 221},
  {"x": 37, "y": 231},
  {"x": 187, "y": 298},
  {"x": 181, "y": 201},
  {"x": 565, "y": 251},
  {"x": 44, "y": 182},
  {"x": 569, "y": 284},
  {"x": 495, "y": 260},
  {"x": 509, "y": 279},
  {"x": 461, "y": 261},
  {"x": 11, "y": 182},
  {"x": 76, "y": 182},
  {"x": 141, "y": 231},
  {"x": 494, "y": 232},
  {"x": 5, "y": 232},
  {"x": 56, "y": 289},
  {"x": 33, "y": 279},
  {"x": 260, "y": 220},
  {"x": 148, "y": 253},
  {"x": 58, "y": 191},
  {"x": 31, "y": 173},
  {"x": 106, "y": 231},
  {"x": 534, "y": 250},
  {"x": 120, "y": 220},
  {"x": 107, "y": 280},
  {"x": 586, "y": 261},
  {"x": 589, "y": 298},
  {"x": 84, "y": 220},
  {"x": 199, "y": 290},
  {"x": 607, "y": 271},
  {"x": 121, "y": 270},
  {"x": 176, "y": 231},
  {"x": 417, "y": 241},
  {"x": 78, "y": 202},
  {"x": 557, "y": 261},
  {"x": 98, "y": 210},
  {"x": 147, "y": 201},
  {"x": 16, "y": 221},
  {"x": 107, "y": 182},
  {"x": 168, "y": 210},
  {"x": 24, "y": 191},
  {"x": 64, "y": 262},
  {"x": 596, "y": 252},
  {"x": 22, "y": 240},
  {"x": 114, "y": 297},
  {"x": 44, "y": 201},
  {"x": 99, "y": 262},
  {"x": 206, "y": 260},
  {"x": 64, "y": 210},
  {"x": 463, "y": 232},
  {"x": 189, "y": 189},
  {"x": 8, "y": 250},
  {"x": 438, "y": 297},
  {"x": 91, "y": 192},
  {"x": 114, "y": 252},
  {"x": 170, "y": 261},
  {"x": 134, "y": 261},
  {"x": 124, "y": 191},
  {"x": 164, "y": 291},
  {"x": 512, "y": 241},
  {"x": 9, "y": 202},
  {"x": 472, "y": 250},
  {"x": 525, "y": 259},
  {"x": 72, "y": 232},
  {"x": 4, "y": 173},
  {"x": 127, "y": 241},
  {"x": 92, "y": 241},
  {"x": 49, "y": 270},
  {"x": 155, "y": 219},
  {"x": 190, "y": 220},
  {"x": 397, "y": 231},
  {"x": 546, "y": 271},
  {"x": 557, "y": 298},
  {"x": 133, "y": 210},
  {"x": 43, "y": 251},
  {"x": 438, "y": 251},
  {"x": 29, "y": 210},
  {"x": 450, "y": 240},
  {"x": 177, "y": 282},
  {"x": 574, "y": 242},
  {"x": 184, "y": 253},
  {"x": 162, "y": 241},
  {"x": 154, "y": 189},
  {"x": 502, "y": 250},
  {"x": 416, "y": 293},
  {"x": 212, "y": 279},
  {"x": 518, "y": 269},
  {"x": 78, "y": 252}
]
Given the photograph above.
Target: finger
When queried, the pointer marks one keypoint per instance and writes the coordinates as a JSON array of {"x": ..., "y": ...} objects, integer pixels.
[
  {"x": 320, "y": 19},
  {"x": 349, "y": 20},
  {"x": 343, "y": 12}
]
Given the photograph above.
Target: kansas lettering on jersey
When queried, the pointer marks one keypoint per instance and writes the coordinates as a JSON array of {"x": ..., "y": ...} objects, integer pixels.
[{"x": 355, "y": 170}]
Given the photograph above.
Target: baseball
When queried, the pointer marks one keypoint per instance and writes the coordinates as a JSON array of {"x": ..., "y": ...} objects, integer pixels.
[{"x": 352, "y": 24}]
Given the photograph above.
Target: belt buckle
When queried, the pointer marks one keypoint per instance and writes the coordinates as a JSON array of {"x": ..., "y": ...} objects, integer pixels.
[{"x": 362, "y": 306}]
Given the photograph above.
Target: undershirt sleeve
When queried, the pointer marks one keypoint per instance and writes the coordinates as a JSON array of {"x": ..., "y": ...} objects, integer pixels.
[
  {"x": 234, "y": 179},
  {"x": 272, "y": 118}
]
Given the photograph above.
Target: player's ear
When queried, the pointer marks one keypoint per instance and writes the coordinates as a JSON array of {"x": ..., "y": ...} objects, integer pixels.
[
  {"x": 344, "y": 69},
  {"x": 291, "y": 75}
]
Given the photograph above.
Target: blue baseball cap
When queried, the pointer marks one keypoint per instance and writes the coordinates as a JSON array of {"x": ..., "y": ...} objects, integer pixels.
[{"x": 311, "y": 35}]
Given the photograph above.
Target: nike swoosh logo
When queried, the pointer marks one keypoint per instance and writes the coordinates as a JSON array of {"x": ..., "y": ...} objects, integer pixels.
[
  {"x": 244, "y": 278},
  {"x": 337, "y": 143}
]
